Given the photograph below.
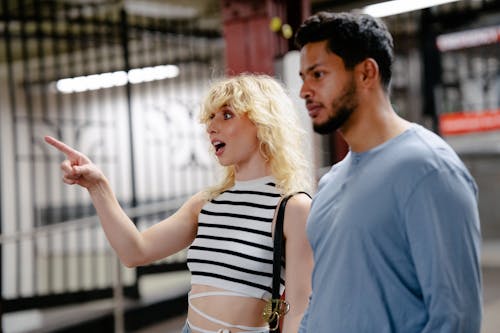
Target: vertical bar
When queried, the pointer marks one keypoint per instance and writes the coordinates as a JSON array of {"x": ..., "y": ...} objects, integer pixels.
[
  {"x": 1, "y": 231},
  {"x": 196, "y": 41},
  {"x": 124, "y": 34},
  {"x": 81, "y": 50},
  {"x": 31, "y": 156},
  {"x": 149, "y": 142},
  {"x": 115, "y": 60},
  {"x": 167, "y": 43},
  {"x": 13, "y": 109},
  {"x": 7, "y": 55},
  {"x": 118, "y": 309},
  {"x": 98, "y": 48},
  {"x": 297, "y": 12},
  {"x": 26, "y": 74},
  {"x": 431, "y": 61},
  {"x": 114, "y": 34},
  {"x": 57, "y": 215},
  {"x": 88, "y": 43},
  {"x": 40, "y": 57},
  {"x": 151, "y": 26},
  {"x": 183, "y": 32},
  {"x": 118, "y": 284},
  {"x": 126, "y": 58},
  {"x": 94, "y": 34},
  {"x": 109, "y": 33},
  {"x": 69, "y": 110},
  {"x": 251, "y": 46}
]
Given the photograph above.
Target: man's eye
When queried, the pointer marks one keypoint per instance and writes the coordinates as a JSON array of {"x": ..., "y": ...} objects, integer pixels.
[{"x": 317, "y": 75}]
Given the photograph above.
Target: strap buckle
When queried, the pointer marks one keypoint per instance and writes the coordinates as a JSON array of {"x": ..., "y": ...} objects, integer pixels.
[{"x": 274, "y": 310}]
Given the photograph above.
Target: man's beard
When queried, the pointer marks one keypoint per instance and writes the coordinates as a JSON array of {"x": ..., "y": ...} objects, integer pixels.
[{"x": 341, "y": 109}]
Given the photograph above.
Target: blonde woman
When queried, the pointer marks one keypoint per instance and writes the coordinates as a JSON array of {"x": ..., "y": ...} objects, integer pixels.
[{"x": 255, "y": 136}]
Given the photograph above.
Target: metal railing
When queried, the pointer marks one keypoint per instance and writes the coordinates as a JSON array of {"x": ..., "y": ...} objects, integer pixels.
[{"x": 144, "y": 135}]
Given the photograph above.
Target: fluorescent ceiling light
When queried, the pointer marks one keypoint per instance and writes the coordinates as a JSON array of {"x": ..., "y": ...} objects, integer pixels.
[
  {"x": 116, "y": 79},
  {"x": 159, "y": 9},
  {"x": 401, "y": 6}
]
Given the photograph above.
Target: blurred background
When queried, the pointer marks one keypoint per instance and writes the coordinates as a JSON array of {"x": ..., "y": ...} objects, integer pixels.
[{"x": 122, "y": 82}]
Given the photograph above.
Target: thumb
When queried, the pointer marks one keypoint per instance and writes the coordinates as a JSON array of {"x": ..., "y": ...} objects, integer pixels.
[
  {"x": 88, "y": 171},
  {"x": 81, "y": 169}
]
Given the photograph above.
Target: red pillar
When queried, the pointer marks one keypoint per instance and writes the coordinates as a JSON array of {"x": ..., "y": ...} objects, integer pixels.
[{"x": 251, "y": 46}]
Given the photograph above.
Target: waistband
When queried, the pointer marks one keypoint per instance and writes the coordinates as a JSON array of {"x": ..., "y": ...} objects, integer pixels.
[
  {"x": 188, "y": 328},
  {"x": 255, "y": 329}
]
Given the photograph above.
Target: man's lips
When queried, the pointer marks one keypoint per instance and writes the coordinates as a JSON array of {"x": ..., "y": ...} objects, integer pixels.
[{"x": 313, "y": 109}]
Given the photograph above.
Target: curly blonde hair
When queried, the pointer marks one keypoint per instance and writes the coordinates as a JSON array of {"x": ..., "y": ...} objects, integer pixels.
[{"x": 266, "y": 103}]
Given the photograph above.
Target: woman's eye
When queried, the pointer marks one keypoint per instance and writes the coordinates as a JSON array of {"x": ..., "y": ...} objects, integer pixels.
[{"x": 228, "y": 115}]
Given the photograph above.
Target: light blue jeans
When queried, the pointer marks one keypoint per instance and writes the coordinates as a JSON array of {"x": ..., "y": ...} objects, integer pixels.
[{"x": 186, "y": 329}]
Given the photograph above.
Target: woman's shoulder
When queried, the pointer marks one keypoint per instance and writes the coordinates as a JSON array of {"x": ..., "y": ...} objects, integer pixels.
[
  {"x": 298, "y": 203},
  {"x": 296, "y": 214},
  {"x": 196, "y": 202}
]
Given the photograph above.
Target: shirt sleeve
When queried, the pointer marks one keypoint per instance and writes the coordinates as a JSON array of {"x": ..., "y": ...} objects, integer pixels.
[{"x": 442, "y": 225}]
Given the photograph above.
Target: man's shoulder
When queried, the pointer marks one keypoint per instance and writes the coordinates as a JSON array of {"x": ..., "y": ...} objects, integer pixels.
[
  {"x": 424, "y": 147},
  {"x": 426, "y": 153}
]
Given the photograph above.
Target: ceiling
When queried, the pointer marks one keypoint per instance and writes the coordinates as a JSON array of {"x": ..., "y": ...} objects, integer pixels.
[
  {"x": 207, "y": 13},
  {"x": 205, "y": 10},
  {"x": 212, "y": 7}
]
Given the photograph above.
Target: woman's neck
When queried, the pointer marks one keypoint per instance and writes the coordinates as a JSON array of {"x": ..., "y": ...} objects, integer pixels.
[{"x": 252, "y": 172}]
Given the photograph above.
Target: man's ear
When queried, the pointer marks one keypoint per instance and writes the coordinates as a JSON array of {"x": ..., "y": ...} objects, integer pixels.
[{"x": 368, "y": 72}]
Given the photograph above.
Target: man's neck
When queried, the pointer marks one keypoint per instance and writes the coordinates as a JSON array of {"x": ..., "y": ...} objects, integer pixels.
[{"x": 371, "y": 126}]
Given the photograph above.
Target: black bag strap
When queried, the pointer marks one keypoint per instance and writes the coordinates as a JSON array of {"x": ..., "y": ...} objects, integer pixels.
[{"x": 279, "y": 245}]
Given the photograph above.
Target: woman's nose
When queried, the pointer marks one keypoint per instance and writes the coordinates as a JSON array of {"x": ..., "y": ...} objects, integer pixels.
[{"x": 211, "y": 127}]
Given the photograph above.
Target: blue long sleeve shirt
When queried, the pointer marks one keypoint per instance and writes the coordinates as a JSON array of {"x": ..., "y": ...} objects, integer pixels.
[{"x": 395, "y": 234}]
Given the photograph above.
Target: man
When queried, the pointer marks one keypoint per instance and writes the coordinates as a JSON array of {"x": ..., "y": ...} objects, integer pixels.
[{"x": 394, "y": 226}]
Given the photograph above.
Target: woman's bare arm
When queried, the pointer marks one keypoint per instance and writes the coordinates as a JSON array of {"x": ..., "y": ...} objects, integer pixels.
[
  {"x": 133, "y": 247},
  {"x": 299, "y": 261}
]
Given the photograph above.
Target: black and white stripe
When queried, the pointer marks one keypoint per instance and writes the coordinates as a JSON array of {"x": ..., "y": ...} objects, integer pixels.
[{"x": 233, "y": 249}]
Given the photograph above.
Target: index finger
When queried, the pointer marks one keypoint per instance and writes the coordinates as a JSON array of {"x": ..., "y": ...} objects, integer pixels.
[{"x": 61, "y": 146}]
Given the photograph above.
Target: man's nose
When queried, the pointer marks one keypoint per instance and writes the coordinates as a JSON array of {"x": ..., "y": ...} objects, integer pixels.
[{"x": 305, "y": 91}]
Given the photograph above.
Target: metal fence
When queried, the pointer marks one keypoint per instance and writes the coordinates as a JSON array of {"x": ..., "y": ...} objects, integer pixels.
[{"x": 122, "y": 88}]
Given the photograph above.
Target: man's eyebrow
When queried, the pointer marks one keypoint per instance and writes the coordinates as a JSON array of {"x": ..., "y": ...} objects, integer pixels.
[{"x": 309, "y": 69}]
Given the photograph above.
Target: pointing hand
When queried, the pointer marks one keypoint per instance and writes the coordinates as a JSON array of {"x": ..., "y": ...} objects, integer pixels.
[{"x": 77, "y": 168}]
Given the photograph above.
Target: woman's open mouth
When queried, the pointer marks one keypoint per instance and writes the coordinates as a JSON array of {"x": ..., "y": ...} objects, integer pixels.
[{"x": 219, "y": 147}]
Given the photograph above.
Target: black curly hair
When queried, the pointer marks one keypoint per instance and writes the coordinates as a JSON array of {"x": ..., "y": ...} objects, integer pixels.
[{"x": 353, "y": 37}]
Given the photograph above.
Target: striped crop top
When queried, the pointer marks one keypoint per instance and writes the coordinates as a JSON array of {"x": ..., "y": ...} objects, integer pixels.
[{"x": 233, "y": 249}]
